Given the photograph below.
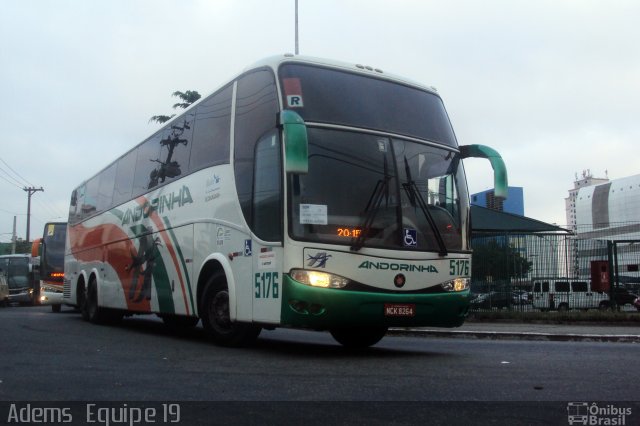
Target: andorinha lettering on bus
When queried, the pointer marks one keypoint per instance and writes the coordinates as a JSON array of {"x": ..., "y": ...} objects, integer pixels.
[
  {"x": 124, "y": 414},
  {"x": 168, "y": 202},
  {"x": 367, "y": 264}
]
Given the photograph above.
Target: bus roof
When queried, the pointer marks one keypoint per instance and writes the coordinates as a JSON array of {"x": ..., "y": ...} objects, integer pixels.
[{"x": 276, "y": 60}]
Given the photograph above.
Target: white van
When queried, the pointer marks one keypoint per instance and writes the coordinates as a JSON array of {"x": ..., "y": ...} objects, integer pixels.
[{"x": 566, "y": 293}]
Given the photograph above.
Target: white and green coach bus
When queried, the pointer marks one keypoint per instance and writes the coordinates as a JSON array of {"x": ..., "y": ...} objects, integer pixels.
[{"x": 304, "y": 193}]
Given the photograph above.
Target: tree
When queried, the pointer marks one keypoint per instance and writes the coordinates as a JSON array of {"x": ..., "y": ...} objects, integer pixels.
[
  {"x": 498, "y": 260},
  {"x": 188, "y": 97}
]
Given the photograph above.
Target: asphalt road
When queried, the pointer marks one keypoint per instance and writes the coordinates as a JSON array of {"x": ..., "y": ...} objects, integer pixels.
[{"x": 58, "y": 357}]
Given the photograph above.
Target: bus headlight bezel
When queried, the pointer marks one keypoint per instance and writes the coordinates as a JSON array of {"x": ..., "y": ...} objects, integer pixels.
[
  {"x": 320, "y": 279},
  {"x": 456, "y": 285}
]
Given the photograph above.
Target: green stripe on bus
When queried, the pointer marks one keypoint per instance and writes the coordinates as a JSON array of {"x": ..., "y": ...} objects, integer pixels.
[
  {"x": 182, "y": 261},
  {"x": 160, "y": 276}
]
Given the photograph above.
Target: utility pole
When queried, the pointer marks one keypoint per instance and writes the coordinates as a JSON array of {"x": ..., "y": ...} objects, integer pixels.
[
  {"x": 13, "y": 237},
  {"x": 30, "y": 191},
  {"x": 297, "y": 50}
]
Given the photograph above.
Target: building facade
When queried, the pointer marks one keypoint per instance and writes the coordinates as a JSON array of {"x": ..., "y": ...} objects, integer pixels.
[
  {"x": 586, "y": 180},
  {"x": 609, "y": 211},
  {"x": 514, "y": 203}
]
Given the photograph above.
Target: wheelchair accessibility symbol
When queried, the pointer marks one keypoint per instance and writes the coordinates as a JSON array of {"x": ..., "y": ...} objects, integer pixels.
[{"x": 410, "y": 237}]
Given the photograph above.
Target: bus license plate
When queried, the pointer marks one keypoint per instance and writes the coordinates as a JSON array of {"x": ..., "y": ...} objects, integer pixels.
[{"x": 399, "y": 310}]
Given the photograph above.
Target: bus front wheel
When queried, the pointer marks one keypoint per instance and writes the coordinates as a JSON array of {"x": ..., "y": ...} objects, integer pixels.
[
  {"x": 216, "y": 319},
  {"x": 358, "y": 337}
]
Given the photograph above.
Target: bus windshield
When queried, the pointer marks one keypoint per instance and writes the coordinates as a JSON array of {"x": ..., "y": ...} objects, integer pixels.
[
  {"x": 18, "y": 272},
  {"x": 52, "y": 259},
  {"x": 341, "y": 98},
  {"x": 375, "y": 191}
]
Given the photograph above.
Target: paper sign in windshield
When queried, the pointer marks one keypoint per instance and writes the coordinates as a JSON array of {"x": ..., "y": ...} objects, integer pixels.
[{"x": 313, "y": 214}]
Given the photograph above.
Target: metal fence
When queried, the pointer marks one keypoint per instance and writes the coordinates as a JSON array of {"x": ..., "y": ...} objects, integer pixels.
[{"x": 552, "y": 271}]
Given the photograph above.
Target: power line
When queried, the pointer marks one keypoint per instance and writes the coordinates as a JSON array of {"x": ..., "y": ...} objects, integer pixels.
[
  {"x": 50, "y": 208},
  {"x": 13, "y": 213},
  {"x": 16, "y": 173},
  {"x": 9, "y": 182}
]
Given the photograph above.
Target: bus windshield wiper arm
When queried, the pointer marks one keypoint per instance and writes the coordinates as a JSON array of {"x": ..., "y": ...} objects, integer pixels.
[
  {"x": 372, "y": 209},
  {"x": 415, "y": 196},
  {"x": 379, "y": 191}
]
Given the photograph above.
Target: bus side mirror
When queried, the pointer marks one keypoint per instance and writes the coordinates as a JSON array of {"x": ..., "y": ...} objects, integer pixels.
[
  {"x": 500, "y": 181},
  {"x": 296, "y": 145}
]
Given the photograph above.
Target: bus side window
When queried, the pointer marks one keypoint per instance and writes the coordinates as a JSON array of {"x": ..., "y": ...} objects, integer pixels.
[
  {"x": 124, "y": 177},
  {"x": 105, "y": 189},
  {"x": 146, "y": 163},
  {"x": 256, "y": 114},
  {"x": 211, "y": 130},
  {"x": 90, "y": 204},
  {"x": 175, "y": 148},
  {"x": 74, "y": 215}
]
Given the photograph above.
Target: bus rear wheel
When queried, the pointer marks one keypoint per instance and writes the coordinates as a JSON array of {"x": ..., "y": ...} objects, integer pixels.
[
  {"x": 216, "y": 319},
  {"x": 358, "y": 337},
  {"x": 92, "y": 312},
  {"x": 56, "y": 308}
]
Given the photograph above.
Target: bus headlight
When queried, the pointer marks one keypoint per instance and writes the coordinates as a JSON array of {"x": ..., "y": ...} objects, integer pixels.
[
  {"x": 458, "y": 284},
  {"x": 318, "y": 279}
]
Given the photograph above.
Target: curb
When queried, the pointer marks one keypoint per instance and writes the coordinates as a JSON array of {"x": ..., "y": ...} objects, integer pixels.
[{"x": 506, "y": 335}]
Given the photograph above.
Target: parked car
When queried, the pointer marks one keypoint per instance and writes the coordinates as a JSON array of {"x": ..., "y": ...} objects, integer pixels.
[
  {"x": 520, "y": 297},
  {"x": 623, "y": 297},
  {"x": 493, "y": 299}
]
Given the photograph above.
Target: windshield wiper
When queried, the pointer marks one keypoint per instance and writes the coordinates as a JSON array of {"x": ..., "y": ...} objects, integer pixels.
[
  {"x": 379, "y": 191},
  {"x": 416, "y": 198}
]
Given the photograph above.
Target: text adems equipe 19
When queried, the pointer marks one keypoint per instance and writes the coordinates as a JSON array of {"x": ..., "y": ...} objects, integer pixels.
[{"x": 105, "y": 414}]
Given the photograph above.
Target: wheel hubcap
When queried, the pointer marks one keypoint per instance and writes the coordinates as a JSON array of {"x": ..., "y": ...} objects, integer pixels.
[{"x": 219, "y": 311}]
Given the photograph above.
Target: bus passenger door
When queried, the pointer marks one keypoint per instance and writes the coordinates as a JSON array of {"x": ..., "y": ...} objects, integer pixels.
[
  {"x": 267, "y": 283},
  {"x": 266, "y": 224}
]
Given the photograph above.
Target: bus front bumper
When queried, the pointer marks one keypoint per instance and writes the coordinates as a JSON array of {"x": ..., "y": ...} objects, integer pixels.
[
  {"x": 50, "y": 294},
  {"x": 50, "y": 298},
  {"x": 323, "y": 308}
]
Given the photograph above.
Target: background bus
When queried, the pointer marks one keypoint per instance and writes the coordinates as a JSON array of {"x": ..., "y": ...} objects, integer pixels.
[
  {"x": 50, "y": 250},
  {"x": 303, "y": 193},
  {"x": 18, "y": 271}
]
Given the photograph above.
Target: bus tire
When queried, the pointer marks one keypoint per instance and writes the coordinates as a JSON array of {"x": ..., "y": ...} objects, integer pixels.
[
  {"x": 81, "y": 296},
  {"x": 563, "y": 307},
  {"x": 56, "y": 308},
  {"x": 358, "y": 337},
  {"x": 91, "y": 311},
  {"x": 214, "y": 312},
  {"x": 604, "y": 306}
]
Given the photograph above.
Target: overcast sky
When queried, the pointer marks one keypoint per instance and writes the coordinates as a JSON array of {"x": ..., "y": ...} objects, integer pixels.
[{"x": 553, "y": 85}]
